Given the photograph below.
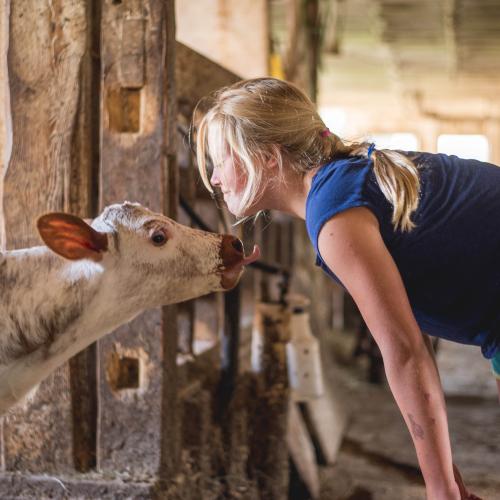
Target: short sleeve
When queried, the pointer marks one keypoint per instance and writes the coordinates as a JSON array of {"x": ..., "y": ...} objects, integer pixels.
[{"x": 335, "y": 188}]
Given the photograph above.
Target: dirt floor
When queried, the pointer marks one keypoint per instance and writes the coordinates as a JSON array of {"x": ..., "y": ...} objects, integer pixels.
[{"x": 377, "y": 459}]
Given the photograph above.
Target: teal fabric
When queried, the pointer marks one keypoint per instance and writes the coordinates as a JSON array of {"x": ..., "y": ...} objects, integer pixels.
[{"x": 495, "y": 364}]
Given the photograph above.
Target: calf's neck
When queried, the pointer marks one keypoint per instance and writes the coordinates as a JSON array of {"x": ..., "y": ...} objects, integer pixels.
[{"x": 90, "y": 278}]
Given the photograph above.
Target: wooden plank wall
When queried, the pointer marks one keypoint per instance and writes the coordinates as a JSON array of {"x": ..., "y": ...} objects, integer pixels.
[
  {"x": 47, "y": 46},
  {"x": 89, "y": 83},
  {"x": 94, "y": 117}
]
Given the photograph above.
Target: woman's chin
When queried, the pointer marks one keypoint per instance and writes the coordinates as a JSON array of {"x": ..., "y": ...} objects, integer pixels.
[
  {"x": 238, "y": 213},
  {"x": 248, "y": 212},
  {"x": 234, "y": 212}
]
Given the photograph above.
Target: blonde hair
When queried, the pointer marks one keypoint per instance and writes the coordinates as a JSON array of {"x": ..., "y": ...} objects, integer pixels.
[{"x": 254, "y": 120}]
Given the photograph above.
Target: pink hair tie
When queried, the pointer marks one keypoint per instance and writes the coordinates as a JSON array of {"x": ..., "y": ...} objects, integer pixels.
[{"x": 325, "y": 133}]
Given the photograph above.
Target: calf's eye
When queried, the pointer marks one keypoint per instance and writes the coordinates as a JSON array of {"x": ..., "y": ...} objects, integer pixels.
[{"x": 158, "y": 238}]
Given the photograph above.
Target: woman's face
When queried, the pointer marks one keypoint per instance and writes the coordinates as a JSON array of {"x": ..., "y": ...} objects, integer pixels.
[{"x": 231, "y": 178}]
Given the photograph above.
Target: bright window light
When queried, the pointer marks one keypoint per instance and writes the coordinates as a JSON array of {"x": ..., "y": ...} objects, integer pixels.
[
  {"x": 335, "y": 119},
  {"x": 473, "y": 146},
  {"x": 399, "y": 140}
]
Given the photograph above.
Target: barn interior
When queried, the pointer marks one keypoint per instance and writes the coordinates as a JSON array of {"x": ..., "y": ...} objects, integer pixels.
[{"x": 195, "y": 400}]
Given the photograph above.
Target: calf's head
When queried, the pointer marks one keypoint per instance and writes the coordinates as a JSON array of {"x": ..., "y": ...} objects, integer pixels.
[{"x": 148, "y": 258}]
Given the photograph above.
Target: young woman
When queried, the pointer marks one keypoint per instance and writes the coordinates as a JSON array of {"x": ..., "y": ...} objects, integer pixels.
[{"x": 413, "y": 237}]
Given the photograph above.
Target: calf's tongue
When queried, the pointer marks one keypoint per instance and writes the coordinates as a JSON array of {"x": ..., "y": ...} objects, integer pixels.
[
  {"x": 230, "y": 275},
  {"x": 252, "y": 257}
]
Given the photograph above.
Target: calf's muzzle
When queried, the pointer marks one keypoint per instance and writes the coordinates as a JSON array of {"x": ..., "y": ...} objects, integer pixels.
[{"x": 233, "y": 258}]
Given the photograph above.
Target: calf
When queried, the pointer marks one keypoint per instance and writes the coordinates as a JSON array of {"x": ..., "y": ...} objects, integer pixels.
[{"x": 55, "y": 301}]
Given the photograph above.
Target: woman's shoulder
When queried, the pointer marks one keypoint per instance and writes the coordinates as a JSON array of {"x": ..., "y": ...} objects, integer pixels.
[
  {"x": 338, "y": 186},
  {"x": 340, "y": 177},
  {"x": 344, "y": 167}
]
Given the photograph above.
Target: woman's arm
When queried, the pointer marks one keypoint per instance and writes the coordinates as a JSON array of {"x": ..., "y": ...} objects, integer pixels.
[
  {"x": 351, "y": 245},
  {"x": 428, "y": 344},
  {"x": 464, "y": 492}
]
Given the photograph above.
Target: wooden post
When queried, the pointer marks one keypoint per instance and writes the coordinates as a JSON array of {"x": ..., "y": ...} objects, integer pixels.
[
  {"x": 170, "y": 445},
  {"x": 47, "y": 43},
  {"x": 229, "y": 348},
  {"x": 5, "y": 113},
  {"x": 5, "y": 138},
  {"x": 268, "y": 460},
  {"x": 138, "y": 164},
  {"x": 81, "y": 198}
]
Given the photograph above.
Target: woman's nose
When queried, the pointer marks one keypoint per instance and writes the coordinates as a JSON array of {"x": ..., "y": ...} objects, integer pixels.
[{"x": 214, "y": 179}]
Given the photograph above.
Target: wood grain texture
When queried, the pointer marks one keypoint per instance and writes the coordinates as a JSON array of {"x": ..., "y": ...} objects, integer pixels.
[
  {"x": 170, "y": 446},
  {"x": 81, "y": 198},
  {"x": 268, "y": 457},
  {"x": 197, "y": 76},
  {"x": 5, "y": 136},
  {"x": 132, "y": 168},
  {"x": 46, "y": 45},
  {"x": 5, "y": 112}
]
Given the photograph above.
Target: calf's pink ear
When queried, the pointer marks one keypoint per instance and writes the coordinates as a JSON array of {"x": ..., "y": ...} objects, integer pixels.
[{"x": 71, "y": 237}]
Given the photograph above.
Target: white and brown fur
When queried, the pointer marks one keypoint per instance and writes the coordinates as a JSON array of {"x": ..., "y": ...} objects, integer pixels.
[{"x": 51, "y": 307}]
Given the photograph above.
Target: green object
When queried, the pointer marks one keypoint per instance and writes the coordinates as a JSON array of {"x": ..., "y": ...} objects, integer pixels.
[{"x": 495, "y": 364}]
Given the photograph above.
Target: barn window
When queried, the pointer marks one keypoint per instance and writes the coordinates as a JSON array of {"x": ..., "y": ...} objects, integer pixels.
[
  {"x": 403, "y": 141},
  {"x": 470, "y": 146},
  {"x": 335, "y": 119}
]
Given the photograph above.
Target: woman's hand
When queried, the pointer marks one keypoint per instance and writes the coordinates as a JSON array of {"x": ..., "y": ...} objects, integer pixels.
[{"x": 464, "y": 493}]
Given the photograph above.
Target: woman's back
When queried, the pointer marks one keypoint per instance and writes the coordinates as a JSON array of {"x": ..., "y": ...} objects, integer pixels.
[
  {"x": 450, "y": 262},
  {"x": 265, "y": 138}
]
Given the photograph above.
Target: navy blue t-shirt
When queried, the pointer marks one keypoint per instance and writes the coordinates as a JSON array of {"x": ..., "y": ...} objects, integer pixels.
[{"x": 450, "y": 262}]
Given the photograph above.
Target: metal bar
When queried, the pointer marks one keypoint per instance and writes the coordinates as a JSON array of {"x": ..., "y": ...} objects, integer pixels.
[{"x": 230, "y": 342}]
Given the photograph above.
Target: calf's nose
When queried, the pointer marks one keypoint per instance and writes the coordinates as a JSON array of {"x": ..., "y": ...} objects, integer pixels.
[
  {"x": 237, "y": 245},
  {"x": 233, "y": 258},
  {"x": 231, "y": 250}
]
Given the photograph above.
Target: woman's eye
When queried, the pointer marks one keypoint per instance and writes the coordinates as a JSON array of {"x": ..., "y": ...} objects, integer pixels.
[{"x": 158, "y": 238}]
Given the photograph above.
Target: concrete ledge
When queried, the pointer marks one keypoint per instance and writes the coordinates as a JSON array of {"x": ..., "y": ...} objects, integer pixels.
[{"x": 85, "y": 486}]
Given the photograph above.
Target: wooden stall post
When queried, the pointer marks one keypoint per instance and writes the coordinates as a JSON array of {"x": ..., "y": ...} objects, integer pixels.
[
  {"x": 5, "y": 135},
  {"x": 47, "y": 44},
  {"x": 81, "y": 192},
  {"x": 5, "y": 113},
  {"x": 137, "y": 420},
  {"x": 268, "y": 460},
  {"x": 170, "y": 444}
]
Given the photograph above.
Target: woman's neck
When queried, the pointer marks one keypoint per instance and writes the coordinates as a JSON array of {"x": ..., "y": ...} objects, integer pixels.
[{"x": 290, "y": 196}]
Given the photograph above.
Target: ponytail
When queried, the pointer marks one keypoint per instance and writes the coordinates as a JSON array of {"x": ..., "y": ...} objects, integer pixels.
[
  {"x": 255, "y": 118},
  {"x": 396, "y": 174},
  {"x": 397, "y": 177}
]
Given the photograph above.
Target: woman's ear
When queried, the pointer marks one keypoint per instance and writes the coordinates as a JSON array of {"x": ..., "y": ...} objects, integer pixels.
[
  {"x": 272, "y": 163},
  {"x": 272, "y": 157}
]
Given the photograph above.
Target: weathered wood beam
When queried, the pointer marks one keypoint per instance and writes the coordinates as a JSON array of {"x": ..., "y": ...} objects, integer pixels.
[
  {"x": 170, "y": 439},
  {"x": 268, "y": 459},
  {"x": 47, "y": 43},
  {"x": 5, "y": 112},
  {"x": 81, "y": 198},
  {"x": 137, "y": 163},
  {"x": 5, "y": 138}
]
